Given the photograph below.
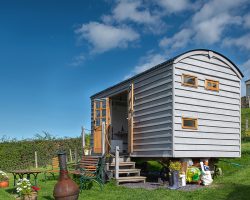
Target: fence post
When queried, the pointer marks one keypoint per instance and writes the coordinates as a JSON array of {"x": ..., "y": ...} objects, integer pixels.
[
  {"x": 83, "y": 140},
  {"x": 70, "y": 155},
  {"x": 76, "y": 156},
  {"x": 246, "y": 124},
  {"x": 103, "y": 138},
  {"x": 36, "y": 164},
  {"x": 116, "y": 162}
]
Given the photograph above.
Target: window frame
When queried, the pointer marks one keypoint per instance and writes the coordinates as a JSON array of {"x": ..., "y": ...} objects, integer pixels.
[
  {"x": 189, "y": 127},
  {"x": 211, "y": 88},
  {"x": 100, "y": 108},
  {"x": 187, "y": 84}
]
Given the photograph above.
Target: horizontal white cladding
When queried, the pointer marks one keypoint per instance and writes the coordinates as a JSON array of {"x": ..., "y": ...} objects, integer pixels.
[
  {"x": 159, "y": 82},
  {"x": 210, "y": 147},
  {"x": 206, "y": 103},
  {"x": 154, "y": 149},
  {"x": 152, "y": 107},
  {"x": 162, "y": 86},
  {"x": 166, "y": 129},
  {"x": 153, "y": 112},
  {"x": 210, "y": 129},
  {"x": 191, "y": 68},
  {"x": 157, "y": 140},
  {"x": 152, "y": 98},
  {"x": 209, "y": 116},
  {"x": 160, "y": 134},
  {"x": 209, "y": 66},
  {"x": 152, "y": 116},
  {"x": 222, "y": 80},
  {"x": 201, "y": 85},
  {"x": 153, "y": 154},
  {"x": 151, "y": 77},
  {"x": 153, "y": 125},
  {"x": 205, "y": 141},
  {"x": 207, "y": 154},
  {"x": 207, "y": 92},
  {"x": 202, "y": 95},
  {"x": 152, "y": 122},
  {"x": 206, "y": 135},
  {"x": 214, "y": 60},
  {"x": 210, "y": 122},
  {"x": 201, "y": 109}
]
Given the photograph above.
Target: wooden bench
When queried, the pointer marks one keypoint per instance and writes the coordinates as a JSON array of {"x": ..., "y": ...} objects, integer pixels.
[
  {"x": 55, "y": 168},
  {"x": 90, "y": 169}
]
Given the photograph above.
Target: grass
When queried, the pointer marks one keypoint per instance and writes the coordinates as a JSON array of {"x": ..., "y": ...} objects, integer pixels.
[{"x": 234, "y": 184}]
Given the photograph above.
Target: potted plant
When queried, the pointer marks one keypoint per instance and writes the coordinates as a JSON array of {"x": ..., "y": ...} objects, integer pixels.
[
  {"x": 26, "y": 191},
  {"x": 4, "y": 180},
  {"x": 174, "y": 167}
]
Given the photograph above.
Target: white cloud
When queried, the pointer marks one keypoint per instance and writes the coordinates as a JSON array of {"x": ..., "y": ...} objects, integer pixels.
[
  {"x": 179, "y": 40},
  {"x": 175, "y": 6},
  {"x": 247, "y": 21},
  {"x": 77, "y": 60},
  {"x": 210, "y": 31},
  {"x": 146, "y": 63},
  {"x": 133, "y": 10},
  {"x": 214, "y": 17},
  {"x": 242, "y": 42},
  {"x": 246, "y": 69},
  {"x": 208, "y": 25},
  {"x": 138, "y": 12},
  {"x": 104, "y": 37}
]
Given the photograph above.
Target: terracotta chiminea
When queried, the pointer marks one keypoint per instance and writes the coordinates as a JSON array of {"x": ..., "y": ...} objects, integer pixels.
[{"x": 65, "y": 188}]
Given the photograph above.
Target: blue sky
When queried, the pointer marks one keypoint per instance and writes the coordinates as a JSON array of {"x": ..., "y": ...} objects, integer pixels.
[{"x": 56, "y": 54}]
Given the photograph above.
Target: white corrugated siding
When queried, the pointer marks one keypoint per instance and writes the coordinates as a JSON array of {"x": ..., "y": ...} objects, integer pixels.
[
  {"x": 218, "y": 113},
  {"x": 152, "y": 111}
]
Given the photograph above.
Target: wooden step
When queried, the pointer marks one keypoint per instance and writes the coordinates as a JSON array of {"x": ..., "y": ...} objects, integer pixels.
[
  {"x": 123, "y": 164},
  {"x": 128, "y": 171},
  {"x": 129, "y": 179}
]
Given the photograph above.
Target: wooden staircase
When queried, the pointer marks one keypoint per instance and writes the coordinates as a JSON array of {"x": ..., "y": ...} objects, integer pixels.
[{"x": 127, "y": 171}]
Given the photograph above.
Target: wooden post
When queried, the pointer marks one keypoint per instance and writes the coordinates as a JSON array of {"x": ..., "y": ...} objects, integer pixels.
[
  {"x": 70, "y": 155},
  {"x": 246, "y": 124},
  {"x": 116, "y": 162},
  {"x": 103, "y": 138},
  {"x": 76, "y": 156},
  {"x": 83, "y": 140},
  {"x": 36, "y": 164}
]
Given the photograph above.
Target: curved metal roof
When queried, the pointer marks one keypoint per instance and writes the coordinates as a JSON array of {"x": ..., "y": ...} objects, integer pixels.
[
  {"x": 172, "y": 60},
  {"x": 208, "y": 50}
]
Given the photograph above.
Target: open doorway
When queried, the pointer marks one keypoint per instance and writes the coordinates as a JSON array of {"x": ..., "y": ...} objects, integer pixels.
[{"x": 119, "y": 122}]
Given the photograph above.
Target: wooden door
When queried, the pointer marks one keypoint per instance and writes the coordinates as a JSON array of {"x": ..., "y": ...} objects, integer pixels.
[
  {"x": 130, "y": 118},
  {"x": 101, "y": 114}
]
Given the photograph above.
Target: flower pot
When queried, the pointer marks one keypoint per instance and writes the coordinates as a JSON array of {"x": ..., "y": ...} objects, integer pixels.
[
  {"x": 4, "y": 184},
  {"x": 32, "y": 196}
]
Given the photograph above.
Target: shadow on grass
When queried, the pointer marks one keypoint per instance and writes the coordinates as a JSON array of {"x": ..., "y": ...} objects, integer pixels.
[
  {"x": 11, "y": 190},
  {"x": 239, "y": 192},
  {"x": 47, "y": 197}
]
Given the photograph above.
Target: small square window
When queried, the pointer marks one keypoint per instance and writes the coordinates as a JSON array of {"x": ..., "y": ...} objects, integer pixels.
[
  {"x": 212, "y": 85},
  {"x": 189, "y": 123},
  {"x": 189, "y": 80}
]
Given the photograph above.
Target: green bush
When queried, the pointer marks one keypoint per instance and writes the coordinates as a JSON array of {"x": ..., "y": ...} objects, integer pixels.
[{"x": 21, "y": 154}]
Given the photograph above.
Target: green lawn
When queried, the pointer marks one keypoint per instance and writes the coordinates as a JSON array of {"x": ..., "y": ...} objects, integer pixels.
[{"x": 234, "y": 184}]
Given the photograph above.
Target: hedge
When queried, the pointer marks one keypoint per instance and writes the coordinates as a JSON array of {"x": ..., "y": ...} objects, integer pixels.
[{"x": 21, "y": 154}]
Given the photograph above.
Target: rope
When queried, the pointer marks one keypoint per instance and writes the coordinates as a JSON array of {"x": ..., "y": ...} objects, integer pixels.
[
  {"x": 232, "y": 163},
  {"x": 86, "y": 129}
]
